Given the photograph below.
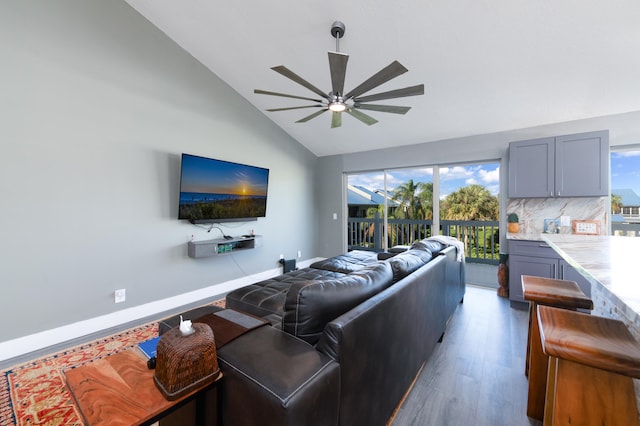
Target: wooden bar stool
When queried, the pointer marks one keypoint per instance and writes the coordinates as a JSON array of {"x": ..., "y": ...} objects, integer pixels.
[
  {"x": 592, "y": 361},
  {"x": 548, "y": 292}
]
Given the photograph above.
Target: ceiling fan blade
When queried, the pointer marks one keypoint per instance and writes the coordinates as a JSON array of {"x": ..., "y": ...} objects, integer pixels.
[
  {"x": 281, "y": 69},
  {"x": 366, "y": 119},
  {"x": 314, "y": 115},
  {"x": 290, "y": 108},
  {"x": 398, "y": 93},
  {"x": 384, "y": 108},
  {"x": 387, "y": 73},
  {"x": 338, "y": 68},
  {"x": 284, "y": 95},
  {"x": 336, "y": 120}
]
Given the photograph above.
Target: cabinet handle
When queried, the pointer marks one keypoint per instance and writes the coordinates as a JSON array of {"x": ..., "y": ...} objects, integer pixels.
[
  {"x": 554, "y": 272},
  {"x": 562, "y": 272}
]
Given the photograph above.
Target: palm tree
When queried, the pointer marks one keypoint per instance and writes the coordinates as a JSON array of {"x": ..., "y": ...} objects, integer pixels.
[
  {"x": 425, "y": 196},
  {"x": 406, "y": 195},
  {"x": 473, "y": 202},
  {"x": 616, "y": 204},
  {"x": 416, "y": 202}
]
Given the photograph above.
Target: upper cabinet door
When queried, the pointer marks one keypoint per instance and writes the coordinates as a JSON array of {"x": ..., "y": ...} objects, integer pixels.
[
  {"x": 582, "y": 165},
  {"x": 563, "y": 166},
  {"x": 531, "y": 168}
]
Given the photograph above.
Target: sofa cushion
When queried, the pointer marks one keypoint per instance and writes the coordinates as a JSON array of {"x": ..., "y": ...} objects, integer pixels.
[
  {"x": 405, "y": 263},
  {"x": 349, "y": 262},
  {"x": 267, "y": 297},
  {"x": 310, "y": 305},
  {"x": 433, "y": 246}
]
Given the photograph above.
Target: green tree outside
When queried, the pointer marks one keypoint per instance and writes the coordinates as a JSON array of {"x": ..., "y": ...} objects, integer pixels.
[
  {"x": 616, "y": 204},
  {"x": 473, "y": 202}
]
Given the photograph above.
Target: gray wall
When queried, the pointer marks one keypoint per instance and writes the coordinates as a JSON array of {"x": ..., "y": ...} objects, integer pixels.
[
  {"x": 624, "y": 129},
  {"x": 97, "y": 105}
]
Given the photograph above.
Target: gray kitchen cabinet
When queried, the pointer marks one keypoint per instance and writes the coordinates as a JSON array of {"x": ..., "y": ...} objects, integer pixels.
[
  {"x": 568, "y": 272},
  {"x": 528, "y": 265},
  {"x": 563, "y": 166},
  {"x": 537, "y": 258}
]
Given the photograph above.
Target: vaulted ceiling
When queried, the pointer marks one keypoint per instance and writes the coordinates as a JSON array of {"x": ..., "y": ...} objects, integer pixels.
[{"x": 487, "y": 66}]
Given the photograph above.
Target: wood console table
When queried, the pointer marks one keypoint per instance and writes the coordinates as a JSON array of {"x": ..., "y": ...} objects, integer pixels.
[{"x": 119, "y": 390}]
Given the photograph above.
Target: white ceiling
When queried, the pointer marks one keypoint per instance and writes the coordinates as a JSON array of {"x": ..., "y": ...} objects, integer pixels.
[{"x": 487, "y": 66}]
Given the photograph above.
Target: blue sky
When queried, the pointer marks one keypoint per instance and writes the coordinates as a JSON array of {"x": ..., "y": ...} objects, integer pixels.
[
  {"x": 451, "y": 178},
  {"x": 625, "y": 170}
]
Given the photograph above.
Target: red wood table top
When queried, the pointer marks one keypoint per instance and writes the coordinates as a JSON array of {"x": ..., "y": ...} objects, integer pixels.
[{"x": 119, "y": 390}]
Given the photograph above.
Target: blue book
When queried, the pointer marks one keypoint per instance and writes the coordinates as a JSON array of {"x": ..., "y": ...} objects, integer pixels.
[{"x": 148, "y": 347}]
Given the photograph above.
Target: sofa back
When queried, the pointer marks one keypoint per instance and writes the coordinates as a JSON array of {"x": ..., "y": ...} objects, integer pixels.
[
  {"x": 310, "y": 305},
  {"x": 382, "y": 343}
]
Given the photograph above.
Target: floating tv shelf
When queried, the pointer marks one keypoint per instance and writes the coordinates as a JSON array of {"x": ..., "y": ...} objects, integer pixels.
[{"x": 220, "y": 246}]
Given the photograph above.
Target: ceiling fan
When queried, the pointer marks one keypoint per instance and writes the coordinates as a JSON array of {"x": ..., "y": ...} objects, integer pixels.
[{"x": 351, "y": 102}]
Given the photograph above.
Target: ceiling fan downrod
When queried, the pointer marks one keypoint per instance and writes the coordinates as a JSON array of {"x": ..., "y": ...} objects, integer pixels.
[{"x": 337, "y": 31}]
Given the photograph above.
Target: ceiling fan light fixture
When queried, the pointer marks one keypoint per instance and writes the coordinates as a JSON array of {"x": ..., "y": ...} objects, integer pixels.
[{"x": 337, "y": 106}]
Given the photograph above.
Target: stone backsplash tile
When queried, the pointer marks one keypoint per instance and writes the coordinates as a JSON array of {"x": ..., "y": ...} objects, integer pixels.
[{"x": 533, "y": 211}]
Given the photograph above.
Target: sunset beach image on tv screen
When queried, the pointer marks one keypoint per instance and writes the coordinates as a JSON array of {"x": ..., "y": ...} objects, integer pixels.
[{"x": 214, "y": 189}]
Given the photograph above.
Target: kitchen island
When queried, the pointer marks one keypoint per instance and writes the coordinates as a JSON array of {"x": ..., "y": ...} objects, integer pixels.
[{"x": 612, "y": 267}]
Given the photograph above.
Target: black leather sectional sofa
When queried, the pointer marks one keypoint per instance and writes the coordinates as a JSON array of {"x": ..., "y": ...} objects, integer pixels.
[{"x": 347, "y": 337}]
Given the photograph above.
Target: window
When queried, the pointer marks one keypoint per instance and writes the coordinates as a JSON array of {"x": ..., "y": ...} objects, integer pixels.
[
  {"x": 389, "y": 208},
  {"x": 625, "y": 190}
]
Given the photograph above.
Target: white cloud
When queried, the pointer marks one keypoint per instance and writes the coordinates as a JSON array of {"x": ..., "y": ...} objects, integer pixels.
[
  {"x": 490, "y": 176},
  {"x": 457, "y": 172}
]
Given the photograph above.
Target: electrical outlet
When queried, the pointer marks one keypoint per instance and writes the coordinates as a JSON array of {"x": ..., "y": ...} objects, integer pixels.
[
  {"x": 282, "y": 257},
  {"x": 120, "y": 295},
  {"x": 299, "y": 253}
]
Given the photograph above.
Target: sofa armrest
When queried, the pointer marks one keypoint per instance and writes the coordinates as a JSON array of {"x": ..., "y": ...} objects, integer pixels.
[{"x": 273, "y": 378}]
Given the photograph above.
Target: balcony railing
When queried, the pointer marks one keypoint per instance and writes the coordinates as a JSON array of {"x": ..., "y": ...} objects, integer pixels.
[{"x": 481, "y": 238}]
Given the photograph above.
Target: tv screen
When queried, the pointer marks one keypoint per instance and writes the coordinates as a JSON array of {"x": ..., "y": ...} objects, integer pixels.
[{"x": 221, "y": 191}]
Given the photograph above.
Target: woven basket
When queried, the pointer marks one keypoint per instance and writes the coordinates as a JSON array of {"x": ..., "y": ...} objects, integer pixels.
[{"x": 185, "y": 363}]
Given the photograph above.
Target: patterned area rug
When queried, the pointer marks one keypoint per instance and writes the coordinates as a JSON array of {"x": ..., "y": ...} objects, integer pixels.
[{"x": 35, "y": 393}]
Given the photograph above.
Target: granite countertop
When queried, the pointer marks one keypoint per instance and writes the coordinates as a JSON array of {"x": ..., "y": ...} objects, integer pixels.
[
  {"x": 603, "y": 260},
  {"x": 524, "y": 236},
  {"x": 528, "y": 236}
]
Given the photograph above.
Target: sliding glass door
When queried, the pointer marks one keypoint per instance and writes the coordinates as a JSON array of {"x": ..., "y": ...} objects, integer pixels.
[{"x": 396, "y": 207}]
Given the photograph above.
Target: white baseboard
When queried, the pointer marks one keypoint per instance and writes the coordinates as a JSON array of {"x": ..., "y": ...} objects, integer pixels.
[{"x": 38, "y": 341}]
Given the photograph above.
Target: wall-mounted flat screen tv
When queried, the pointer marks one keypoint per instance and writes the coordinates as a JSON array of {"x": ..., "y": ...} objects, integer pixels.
[{"x": 214, "y": 191}]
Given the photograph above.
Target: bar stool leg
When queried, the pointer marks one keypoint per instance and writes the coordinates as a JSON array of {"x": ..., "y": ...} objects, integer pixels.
[
  {"x": 526, "y": 365},
  {"x": 581, "y": 395},
  {"x": 538, "y": 363},
  {"x": 550, "y": 392}
]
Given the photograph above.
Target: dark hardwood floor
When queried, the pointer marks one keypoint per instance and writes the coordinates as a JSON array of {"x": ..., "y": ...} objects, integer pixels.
[{"x": 476, "y": 375}]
